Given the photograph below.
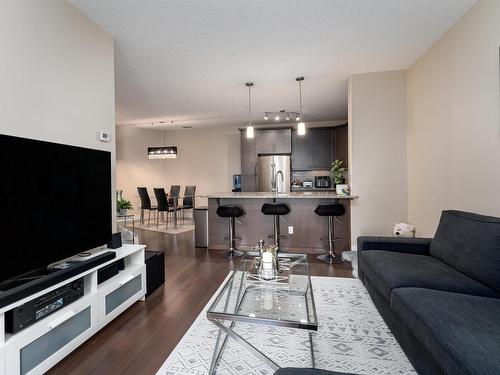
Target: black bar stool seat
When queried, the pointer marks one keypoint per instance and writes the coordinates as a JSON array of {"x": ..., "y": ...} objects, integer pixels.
[
  {"x": 275, "y": 209},
  {"x": 331, "y": 211},
  {"x": 231, "y": 212}
]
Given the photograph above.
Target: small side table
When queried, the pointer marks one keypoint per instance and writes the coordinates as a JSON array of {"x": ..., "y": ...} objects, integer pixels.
[{"x": 125, "y": 217}]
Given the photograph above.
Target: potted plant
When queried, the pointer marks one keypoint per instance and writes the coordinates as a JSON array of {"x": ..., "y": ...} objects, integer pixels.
[
  {"x": 338, "y": 174},
  {"x": 122, "y": 206}
]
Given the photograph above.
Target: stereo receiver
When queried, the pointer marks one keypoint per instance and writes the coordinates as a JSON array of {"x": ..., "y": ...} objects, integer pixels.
[{"x": 38, "y": 308}]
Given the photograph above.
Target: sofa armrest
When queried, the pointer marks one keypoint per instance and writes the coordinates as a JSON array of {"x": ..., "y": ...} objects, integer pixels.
[{"x": 408, "y": 245}]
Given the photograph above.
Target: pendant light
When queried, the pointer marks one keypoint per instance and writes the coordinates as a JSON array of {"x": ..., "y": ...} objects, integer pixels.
[
  {"x": 301, "y": 126},
  {"x": 162, "y": 152},
  {"x": 250, "y": 132}
]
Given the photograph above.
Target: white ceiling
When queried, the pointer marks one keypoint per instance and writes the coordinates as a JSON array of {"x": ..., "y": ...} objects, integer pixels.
[{"x": 187, "y": 60}]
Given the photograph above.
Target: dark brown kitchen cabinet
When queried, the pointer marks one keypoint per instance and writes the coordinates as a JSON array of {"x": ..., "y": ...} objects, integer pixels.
[
  {"x": 302, "y": 151},
  {"x": 322, "y": 152},
  {"x": 274, "y": 141},
  {"x": 318, "y": 148},
  {"x": 248, "y": 155},
  {"x": 340, "y": 144},
  {"x": 283, "y": 141},
  {"x": 249, "y": 183},
  {"x": 266, "y": 141}
]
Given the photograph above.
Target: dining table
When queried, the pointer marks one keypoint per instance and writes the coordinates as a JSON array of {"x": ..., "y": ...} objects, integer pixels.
[{"x": 175, "y": 200}]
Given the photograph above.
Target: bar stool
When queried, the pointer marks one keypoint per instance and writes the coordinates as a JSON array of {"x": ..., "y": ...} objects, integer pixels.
[
  {"x": 275, "y": 209},
  {"x": 232, "y": 212},
  {"x": 332, "y": 211}
]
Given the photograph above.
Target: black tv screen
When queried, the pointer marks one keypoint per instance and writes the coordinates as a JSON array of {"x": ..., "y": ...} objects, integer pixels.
[{"x": 55, "y": 203}]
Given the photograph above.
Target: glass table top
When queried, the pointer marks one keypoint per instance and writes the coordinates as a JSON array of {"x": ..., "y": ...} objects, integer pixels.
[{"x": 287, "y": 300}]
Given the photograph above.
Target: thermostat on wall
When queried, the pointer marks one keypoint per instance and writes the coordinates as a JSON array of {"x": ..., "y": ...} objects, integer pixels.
[{"x": 103, "y": 136}]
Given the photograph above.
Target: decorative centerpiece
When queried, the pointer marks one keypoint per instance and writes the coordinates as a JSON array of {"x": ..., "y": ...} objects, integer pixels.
[{"x": 268, "y": 268}]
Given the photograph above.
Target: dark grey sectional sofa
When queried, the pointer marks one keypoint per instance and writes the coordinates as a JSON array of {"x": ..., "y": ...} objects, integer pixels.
[{"x": 440, "y": 297}]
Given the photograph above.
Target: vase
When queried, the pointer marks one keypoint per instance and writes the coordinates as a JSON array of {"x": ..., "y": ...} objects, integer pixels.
[{"x": 342, "y": 189}]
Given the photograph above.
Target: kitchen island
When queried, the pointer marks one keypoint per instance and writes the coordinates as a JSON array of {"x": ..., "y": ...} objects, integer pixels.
[{"x": 308, "y": 228}]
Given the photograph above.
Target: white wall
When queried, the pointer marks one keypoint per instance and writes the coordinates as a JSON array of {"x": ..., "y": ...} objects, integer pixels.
[
  {"x": 56, "y": 74},
  {"x": 453, "y": 121},
  {"x": 207, "y": 158},
  {"x": 377, "y": 152}
]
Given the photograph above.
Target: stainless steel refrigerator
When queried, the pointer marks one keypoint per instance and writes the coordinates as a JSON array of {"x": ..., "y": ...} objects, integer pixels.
[{"x": 273, "y": 173}]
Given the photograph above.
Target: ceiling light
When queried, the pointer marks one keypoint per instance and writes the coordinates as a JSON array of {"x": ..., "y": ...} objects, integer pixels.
[
  {"x": 250, "y": 132},
  {"x": 162, "y": 152},
  {"x": 281, "y": 115},
  {"x": 301, "y": 127},
  {"x": 297, "y": 118}
]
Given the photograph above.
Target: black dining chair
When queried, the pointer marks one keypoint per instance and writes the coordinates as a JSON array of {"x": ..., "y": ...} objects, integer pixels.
[
  {"x": 145, "y": 203},
  {"x": 175, "y": 190},
  {"x": 163, "y": 206},
  {"x": 188, "y": 201}
]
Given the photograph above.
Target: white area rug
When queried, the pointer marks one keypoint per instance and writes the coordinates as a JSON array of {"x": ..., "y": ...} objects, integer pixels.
[
  {"x": 161, "y": 228},
  {"x": 352, "y": 337}
]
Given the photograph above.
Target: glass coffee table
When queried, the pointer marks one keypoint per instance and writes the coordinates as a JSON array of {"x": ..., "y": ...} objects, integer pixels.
[{"x": 286, "y": 301}]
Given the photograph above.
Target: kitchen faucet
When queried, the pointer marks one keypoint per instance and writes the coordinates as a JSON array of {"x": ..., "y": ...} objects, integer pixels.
[{"x": 275, "y": 188}]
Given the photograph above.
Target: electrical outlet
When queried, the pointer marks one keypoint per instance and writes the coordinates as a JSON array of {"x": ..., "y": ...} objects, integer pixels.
[{"x": 290, "y": 229}]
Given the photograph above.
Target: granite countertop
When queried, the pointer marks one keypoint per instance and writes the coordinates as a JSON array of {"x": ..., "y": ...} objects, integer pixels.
[{"x": 292, "y": 195}]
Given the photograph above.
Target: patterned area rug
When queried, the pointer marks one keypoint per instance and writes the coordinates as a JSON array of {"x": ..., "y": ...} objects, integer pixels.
[
  {"x": 161, "y": 228},
  {"x": 352, "y": 337}
]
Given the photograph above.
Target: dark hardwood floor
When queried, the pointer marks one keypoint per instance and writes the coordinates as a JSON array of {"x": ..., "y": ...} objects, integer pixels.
[{"x": 140, "y": 340}]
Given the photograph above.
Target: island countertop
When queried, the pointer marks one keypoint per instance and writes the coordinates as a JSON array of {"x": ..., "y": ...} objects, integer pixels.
[{"x": 293, "y": 195}]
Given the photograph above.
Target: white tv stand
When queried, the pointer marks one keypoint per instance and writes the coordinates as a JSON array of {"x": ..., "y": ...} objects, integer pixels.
[{"x": 37, "y": 348}]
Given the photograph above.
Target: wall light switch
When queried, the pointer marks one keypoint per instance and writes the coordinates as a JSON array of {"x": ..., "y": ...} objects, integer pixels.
[{"x": 290, "y": 229}]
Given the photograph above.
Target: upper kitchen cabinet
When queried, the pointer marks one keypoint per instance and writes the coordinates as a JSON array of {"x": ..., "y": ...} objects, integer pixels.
[
  {"x": 318, "y": 148},
  {"x": 322, "y": 151},
  {"x": 283, "y": 141},
  {"x": 248, "y": 155},
  {"x": 340, "y": 143},
  {"x": 266, "y": 141},
  {"x": 274, "y": 141},
  {"x": 302, "y": 151}
]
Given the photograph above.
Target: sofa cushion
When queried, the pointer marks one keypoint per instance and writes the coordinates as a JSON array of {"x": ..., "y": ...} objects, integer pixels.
[
  {"x": 460, "y": 331},
  {"x": 388, "y": 270},
  {"x": 470, "y": 243}
]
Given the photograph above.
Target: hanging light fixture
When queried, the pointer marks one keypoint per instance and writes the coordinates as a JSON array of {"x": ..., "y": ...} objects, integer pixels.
[
  {"x": 162, "y": 152},
  {"x": 250, "y": 132},
  {"x": 301, "y": 126},
  {"x": 281, "y": 115}
]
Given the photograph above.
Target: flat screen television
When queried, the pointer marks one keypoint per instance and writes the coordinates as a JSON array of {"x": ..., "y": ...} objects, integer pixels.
[{"x": 55, "y": 203}]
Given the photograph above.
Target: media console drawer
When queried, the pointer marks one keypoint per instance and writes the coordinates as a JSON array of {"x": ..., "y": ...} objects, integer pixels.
[
  {"x": 130, "y": 286},
  {"x": 33, "y": 351}
]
